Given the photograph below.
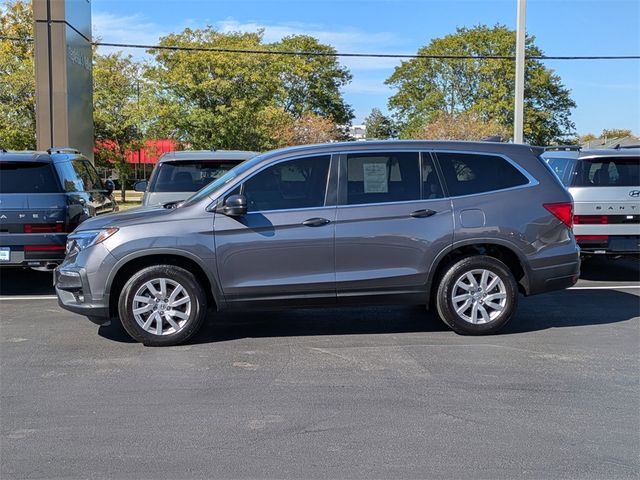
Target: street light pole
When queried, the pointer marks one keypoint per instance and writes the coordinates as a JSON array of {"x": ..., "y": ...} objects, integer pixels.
[{"x": 518, "y": 115}]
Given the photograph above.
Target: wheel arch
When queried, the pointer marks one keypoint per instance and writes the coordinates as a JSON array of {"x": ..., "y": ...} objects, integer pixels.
[
  {"x": 134, "y": 262},
  {"x": 499, "y": 249}
]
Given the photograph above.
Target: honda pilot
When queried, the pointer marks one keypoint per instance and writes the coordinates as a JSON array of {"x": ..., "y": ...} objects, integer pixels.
[{"x": 462, "y": 227}]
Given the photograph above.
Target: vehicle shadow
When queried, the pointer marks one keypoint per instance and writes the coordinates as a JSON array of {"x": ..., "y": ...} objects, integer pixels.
[
  {"x": 18, "y": 281},
  {"x": 601, "y": 269},
  {"x": 571, "y": 308}
]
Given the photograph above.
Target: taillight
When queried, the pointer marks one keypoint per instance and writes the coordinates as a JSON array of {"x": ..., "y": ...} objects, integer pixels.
[
  {"x": 590, "y": 219},
  {"x": 562, "y": 211},
  {"x": 43, "y": 228},
  {"x": 43, "y": 248},
  {"x": 592, "y": 238}
]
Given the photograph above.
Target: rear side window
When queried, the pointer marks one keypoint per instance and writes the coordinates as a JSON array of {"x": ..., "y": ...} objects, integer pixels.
[
  {"x": 189, "y": 176},
  {"x": 562, "y": 167},
  {"x": 27, "y": 177},
  {"x": 607, "y": 172},
  {"x": 383, "y": 177},
  {"x": 469, "y": 173},
  {"x": 78, "y": 176}
]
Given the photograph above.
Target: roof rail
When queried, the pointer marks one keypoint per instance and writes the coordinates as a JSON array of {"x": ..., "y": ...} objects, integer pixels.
[
  {"x": 630, "y": 146},
  {"x": 62, "y": 150},
  {"x": 566, "y": 148}
]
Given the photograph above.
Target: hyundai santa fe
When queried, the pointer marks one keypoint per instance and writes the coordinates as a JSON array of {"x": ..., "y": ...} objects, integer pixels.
[
  {"x": 462, "y": 226},
  {"x": 605, "y": 186}
]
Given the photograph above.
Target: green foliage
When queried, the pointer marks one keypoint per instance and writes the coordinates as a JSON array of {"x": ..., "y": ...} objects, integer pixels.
[
  {"x": 118, "y": 113},
  {"x": 17, "y": 78},
  {"x": 482, "y": 86},
  {"x": 616, "y": 133},
  {"x": 379, "y": 126},
  {"x": 237, "y": 101}
]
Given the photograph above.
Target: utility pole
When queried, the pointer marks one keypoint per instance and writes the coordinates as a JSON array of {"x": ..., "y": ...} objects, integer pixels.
[{"x": 518, "y": 117}]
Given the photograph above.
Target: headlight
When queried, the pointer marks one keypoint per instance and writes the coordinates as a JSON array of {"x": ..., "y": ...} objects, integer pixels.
[{"x": 80, "y": 240}]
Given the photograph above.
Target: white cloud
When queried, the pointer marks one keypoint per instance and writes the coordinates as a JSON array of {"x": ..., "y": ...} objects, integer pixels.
[
  {"x": 131, "y": 29},
  {"x": 349, "y": 40}
]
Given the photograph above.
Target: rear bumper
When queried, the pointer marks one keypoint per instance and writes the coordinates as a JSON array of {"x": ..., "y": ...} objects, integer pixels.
[
  {"x": 611, "y": 245},
  {"x": 558, "y": 276},
  {"x": 32, "y": 250}
]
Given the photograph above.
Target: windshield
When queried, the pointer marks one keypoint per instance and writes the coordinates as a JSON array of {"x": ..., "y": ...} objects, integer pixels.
[
  {"x": 78, "y": 176},
  {"x": 188, "y": 176},
  {"x": 211, "y": 188}
]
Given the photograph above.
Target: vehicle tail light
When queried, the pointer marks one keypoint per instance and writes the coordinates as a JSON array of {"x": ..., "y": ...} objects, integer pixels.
[
  {"x": 43, "y": 248},
  {"x": 44, "y": 228},
  {"x": 592, "y": 238},
  {"x": 563, "y": 211},
  {"x": 590, "y": 219}
]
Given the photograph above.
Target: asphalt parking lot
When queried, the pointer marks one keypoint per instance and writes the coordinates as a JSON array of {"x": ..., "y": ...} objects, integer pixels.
[{"x": 376, "y": 392}]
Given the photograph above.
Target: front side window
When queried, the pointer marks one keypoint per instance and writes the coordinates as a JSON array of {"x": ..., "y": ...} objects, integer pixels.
[
  {"x": 383, "y": 177},
  {"x": 469, "y": 173},
  {"x": 299, "y": 183},
  {"x": 78, "y": 176}
]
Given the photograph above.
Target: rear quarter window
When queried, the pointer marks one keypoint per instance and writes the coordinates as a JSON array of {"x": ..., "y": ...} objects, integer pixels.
[
  {"x": 469, "y": 173},
  {"x": 28, "y": 177}
]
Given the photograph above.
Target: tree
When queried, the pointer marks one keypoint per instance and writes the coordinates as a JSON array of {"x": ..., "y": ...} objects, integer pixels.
[
  {"x": 237, "y": 100},
  {"x": 17, "y": 77},
  {"x": 311, "y": 84},
  {"x": 482, "y": 86},
  {"x": 461, "y": 126},
  {"x": 378, "y": 125},
  {"x": 587, "y": 137},
  {"x": 309, "y": 128},
  {"x": 118, "y": 115},
  {"x": 616, "y": 133}
]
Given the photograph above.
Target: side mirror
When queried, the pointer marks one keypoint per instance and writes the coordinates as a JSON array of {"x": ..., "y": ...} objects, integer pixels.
[
  {"x": 235, "y": 206},
  {"x": 140, "y": 186}
]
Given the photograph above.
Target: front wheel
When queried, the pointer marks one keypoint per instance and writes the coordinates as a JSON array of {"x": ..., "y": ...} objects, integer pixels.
[
  {"x": 477, "y": 295},
  {"x": 162, "y": 305}
]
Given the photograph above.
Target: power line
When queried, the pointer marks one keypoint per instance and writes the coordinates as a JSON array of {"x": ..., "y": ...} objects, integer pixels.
[{"x": 343, "y": 54}]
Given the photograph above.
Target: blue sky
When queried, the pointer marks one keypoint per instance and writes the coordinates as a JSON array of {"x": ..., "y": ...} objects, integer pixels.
[{"x": 607, "y": 92}]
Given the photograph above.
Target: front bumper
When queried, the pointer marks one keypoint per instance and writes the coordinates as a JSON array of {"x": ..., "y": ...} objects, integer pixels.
[{"x": 74, "y": 294}]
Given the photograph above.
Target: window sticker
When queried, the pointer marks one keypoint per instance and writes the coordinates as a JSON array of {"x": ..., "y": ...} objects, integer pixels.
[{"x": 375, "y": 178}]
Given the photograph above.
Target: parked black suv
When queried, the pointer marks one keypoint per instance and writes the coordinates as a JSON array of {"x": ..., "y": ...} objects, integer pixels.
[{"x": 43, "y": 197}]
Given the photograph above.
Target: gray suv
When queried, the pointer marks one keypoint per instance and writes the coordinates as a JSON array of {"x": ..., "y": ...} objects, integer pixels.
[{"x": 459, "y": 225}]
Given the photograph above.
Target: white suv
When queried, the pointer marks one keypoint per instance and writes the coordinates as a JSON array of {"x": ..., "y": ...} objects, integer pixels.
[{"x": 605, "y": 185}]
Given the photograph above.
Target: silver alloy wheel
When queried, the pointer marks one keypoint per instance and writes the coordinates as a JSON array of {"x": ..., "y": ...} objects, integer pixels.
[
  {"x": 479, "y": 296},
  {"x": 161, "y": 306}
]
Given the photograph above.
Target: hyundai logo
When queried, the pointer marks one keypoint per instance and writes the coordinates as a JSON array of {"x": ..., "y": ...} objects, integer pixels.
[{"x": 634, "y": 193}]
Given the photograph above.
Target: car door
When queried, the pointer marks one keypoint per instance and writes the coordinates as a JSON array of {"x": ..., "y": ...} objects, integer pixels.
[
  {"x": 392, "y": 221},
  {"x": 282, "y": 250}
]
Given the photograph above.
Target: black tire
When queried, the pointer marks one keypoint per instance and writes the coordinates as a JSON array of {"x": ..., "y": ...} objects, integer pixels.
[
  {"x": 195, "y": 314},
  {"x": 455, "y": 272}
]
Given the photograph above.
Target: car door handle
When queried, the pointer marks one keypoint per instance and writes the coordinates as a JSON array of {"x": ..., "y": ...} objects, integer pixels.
[
  {"x": 422, "y": 213},
  {"x": 316, "y": 222}
]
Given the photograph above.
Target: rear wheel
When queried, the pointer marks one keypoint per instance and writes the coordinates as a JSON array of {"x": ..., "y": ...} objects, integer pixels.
[
  {"x": 477, "y": 295},
  {"x": 162, "y": 305}
]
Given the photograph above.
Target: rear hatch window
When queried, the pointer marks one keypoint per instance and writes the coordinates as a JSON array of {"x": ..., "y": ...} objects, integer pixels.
[
  {"x": 28, "y": 177},
  {"x": 189, "y": 176},
  {"x": 607, "y": 172}
]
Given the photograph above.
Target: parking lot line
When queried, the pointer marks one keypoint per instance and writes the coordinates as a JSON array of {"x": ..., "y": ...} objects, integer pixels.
[
  {"x": 613, "y": 287},
  {"x": 30, "y": 297}
]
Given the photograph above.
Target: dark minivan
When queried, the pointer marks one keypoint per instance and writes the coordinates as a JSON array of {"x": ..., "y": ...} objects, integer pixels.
[{"x": 43, "y": 197}]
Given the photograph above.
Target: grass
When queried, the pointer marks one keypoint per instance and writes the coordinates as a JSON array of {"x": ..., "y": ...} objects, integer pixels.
[{"x": 129, "y": 204}]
